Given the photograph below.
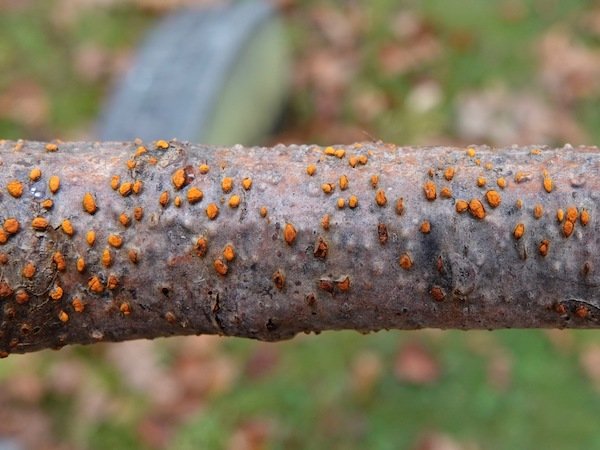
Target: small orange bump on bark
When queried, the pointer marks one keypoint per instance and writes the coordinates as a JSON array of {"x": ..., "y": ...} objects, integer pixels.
[
  {"x": 201, "y": 246},
  {"x": 363, "y": 159},
  {"x": 140, "y": 151},
  {"x": 279, "y": 279},
  {"x": 584, "y": 217},
  {"x": 137, "y": 187},
  {"x": 212, "y": 211},
  {"x": 15, "y": 188},
  {"x": 229, "y": 253},
  {"x": 521, "y": 177},
  {"x": 247, "y": 183},
  {"x": 39, "y": 224},
  {"x": 177, "y": 201},
  {"x": 548, "y": 185},
  {"x": 560, "y": 215},
  {"x": 430, "y": 191},
  {"x": 220, "y": 267},
  {"x": 493, "y": 198},
  {"x": 353, "y": 161},
  {"x": 114, "y": 240},
  {"x": 162, "y": 144},
  {"x": 95, "y": 285},
  {"x": 3, "y": 237},
  {"x": 138, "y": 213},
  {"x": 519, "y": 231},
  {"x": 29, "y": 270},
  {"x": 519, "y": 203},
  {"x": 133, "y": 256},
  {"x": 115, "y": 182},
  {"x": 501, "y": 182},
  {"x": 3, "y": 259},
  {"x": 47, "y": 204},
  {"x": 67, "y": 227},
  {"x": 106, "y": 258},
  {"x": 203, "y": 169},
  {"x": 21, "y": 296},
  {"x": 572, "y": 214},
  {"x": 470, "y": 152},
  {"x": 488, "y": 166},
  {"x": 353, "y": 201},
  {"x": 405, "y": 261},
  {"x": 80, "y": 265},
  {"x": 330, "y": 151},
  {"x": 163, "y": 199},
  {"x": 234, "y": 201},
  {"x": 341, "y": 203},
  {"x": 11, "y": 225},
  {"x": 194, "y": 195},
  {"x": 227, "y": 184},
  {"x": 340, "y": 153},
  {"x": 56, "y": 293},
  {"x": 263, "y": 211},
  {"x": 343, "y": 283},
  {"x": 538, "y": 211},
  {"x": 446, "y": 192},
  {"x": 124, "y": 219},
  {"x": 112, "y": 282},
  {"x": 328, "y": 188},
  {"x": 63, "y": 316},
  {"x": 425, "y": 227},
  {"x": 78, "y": 305},
  {"x": 35, "y": 174},
  {"x": 90, "y": 237},
  {"x": 126, "y": 188},
  {"x": 89, "y": 203},
  {"x": 289, "y": 233},
  {"x": 321, "y": 249},
  {"x": 343, "y": 182},
  {"x": 130, "y": 164},
  {"x": 179, "y": 178},
  {"x": 481, "y": 181},
  {"x": 374, "y": 181},
  {"x": 449, "y": 173},
  {"x": 54, "y": 184},
  {"x": 568, "y": 228},
  {"x": 476, "y": 209},
  {"x": 51, "y": 147},
  {"x": 437, "y": 293},
  {"x": 400, "y": 206},
  {"x": 325, "y": 222},
  {"x": 544, "y": 247},
  {"x": 125, "y": 308},
  {"x": 380, "y": 198},
  {"x": 311, "y": 169}
]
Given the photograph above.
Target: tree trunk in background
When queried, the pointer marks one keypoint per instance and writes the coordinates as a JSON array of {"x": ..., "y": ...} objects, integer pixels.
[{"x": 117, "y": 241}]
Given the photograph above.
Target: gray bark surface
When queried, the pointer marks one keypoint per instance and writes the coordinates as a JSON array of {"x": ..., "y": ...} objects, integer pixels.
[{"x": 507, "y": 260}]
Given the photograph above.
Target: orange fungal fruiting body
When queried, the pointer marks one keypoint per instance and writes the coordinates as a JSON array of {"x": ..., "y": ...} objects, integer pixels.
[
  {"x": 15, "y": 188},
  {"x": 289, "y": 233},
  {"x": 35, "y": 174},
  {"x": 405, "y": 261},
  {"x": 54, "y": 184},
  {"x": 519, "y": 231},
  {"x": 476, "y": 209},
  {"x": 39, "y": 224},
  {"x": 114, "y": 240},
  {"x": 430, "y": 191},
  {"x": 493, "y": 198},
  {"x": 89, "y": 203},
  {"x": 212, "y": 211},
  {"x": 380, "y": 198},
  {"x": 194, "y": 195}
]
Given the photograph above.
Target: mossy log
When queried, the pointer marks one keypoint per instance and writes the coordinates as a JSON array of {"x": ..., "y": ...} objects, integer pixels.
[{"x": 116, "y": 241}]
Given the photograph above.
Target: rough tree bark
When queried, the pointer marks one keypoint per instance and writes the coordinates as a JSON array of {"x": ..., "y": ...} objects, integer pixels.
[{"x": 116, "y": 241}]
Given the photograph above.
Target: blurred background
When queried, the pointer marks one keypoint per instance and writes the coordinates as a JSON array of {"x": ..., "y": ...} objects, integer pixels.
[{"x": 410, "y": 72}]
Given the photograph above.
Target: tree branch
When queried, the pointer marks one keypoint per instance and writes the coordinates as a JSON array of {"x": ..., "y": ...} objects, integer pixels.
[{"x": 117, "y": 241}]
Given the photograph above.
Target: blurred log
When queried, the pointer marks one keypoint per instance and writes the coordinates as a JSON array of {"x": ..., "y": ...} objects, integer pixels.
[{"x": 116, "y": 241}]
